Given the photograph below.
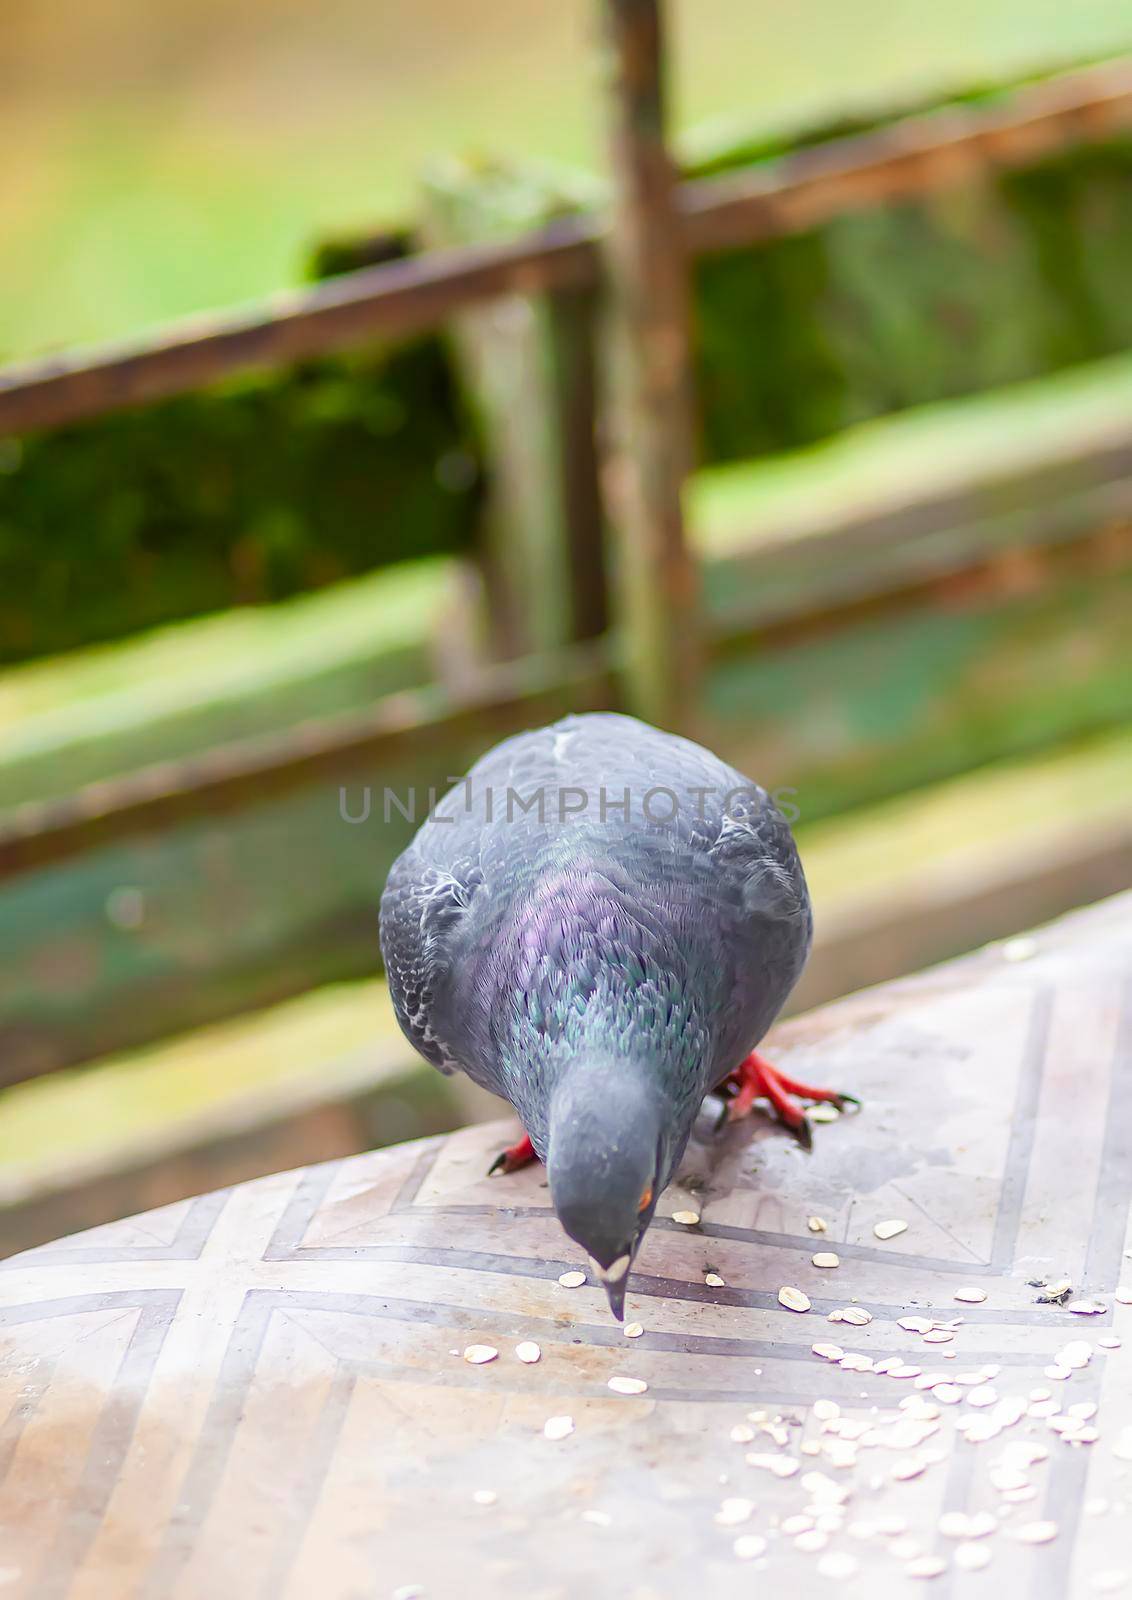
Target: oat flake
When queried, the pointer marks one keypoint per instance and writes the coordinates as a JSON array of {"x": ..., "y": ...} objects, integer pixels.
[
  {"x": 1036, "y": 1532},
  {"x": 627, "y": 1385}
]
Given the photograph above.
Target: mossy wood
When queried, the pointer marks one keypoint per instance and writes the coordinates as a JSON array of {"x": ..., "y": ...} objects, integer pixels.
[
  {"x": 154, "y": 932},
  {"x": 528, "y": 365},
  {"x": 287, "y": 481}
]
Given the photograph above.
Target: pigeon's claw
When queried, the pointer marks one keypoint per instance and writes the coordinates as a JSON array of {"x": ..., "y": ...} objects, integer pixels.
[
  {"x": 755, "y": 1079},
  {"x": 515, "y": 1156},
  {"x": 804, "y": 1133},
  {"x": 846, "y": 1102}
]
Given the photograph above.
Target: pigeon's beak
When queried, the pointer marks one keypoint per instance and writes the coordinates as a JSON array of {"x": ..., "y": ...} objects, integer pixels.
[{"x": 615, "y": 1279}]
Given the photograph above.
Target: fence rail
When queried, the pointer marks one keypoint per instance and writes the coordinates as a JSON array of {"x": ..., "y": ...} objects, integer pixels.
[{"x": 400, "y": 298}]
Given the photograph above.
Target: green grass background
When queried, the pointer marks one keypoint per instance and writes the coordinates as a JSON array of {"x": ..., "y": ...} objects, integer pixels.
[{"x": 163, "y": 158}]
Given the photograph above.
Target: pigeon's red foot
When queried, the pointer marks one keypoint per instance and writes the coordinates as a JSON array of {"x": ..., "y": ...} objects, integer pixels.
[
  {"x": 515, "y": 1156},
  {"x": 755, "y": 1079}
]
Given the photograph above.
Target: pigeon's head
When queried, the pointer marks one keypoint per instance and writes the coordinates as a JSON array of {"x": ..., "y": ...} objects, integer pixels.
[{"x": 608, "y": 1160}]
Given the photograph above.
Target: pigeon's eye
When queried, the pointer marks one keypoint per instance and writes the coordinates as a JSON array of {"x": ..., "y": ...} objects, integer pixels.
[{"x": 646, "y": 1199}]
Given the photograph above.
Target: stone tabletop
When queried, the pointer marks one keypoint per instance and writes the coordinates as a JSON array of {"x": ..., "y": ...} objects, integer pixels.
[{"x": 265, "y": 1393}]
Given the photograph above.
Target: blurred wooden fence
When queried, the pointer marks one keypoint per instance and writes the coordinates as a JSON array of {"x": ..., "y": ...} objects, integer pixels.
[
  {"x": 877, "y": 650},
  {"x": 399, "y": 298}
]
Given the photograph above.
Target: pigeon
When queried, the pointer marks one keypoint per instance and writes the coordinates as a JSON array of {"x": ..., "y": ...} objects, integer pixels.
[{"x": 599, "y": 923}]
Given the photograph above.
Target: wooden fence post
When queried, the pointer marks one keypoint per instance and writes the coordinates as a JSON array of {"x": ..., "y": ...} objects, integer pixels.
[
  {"x": 529, "y": 368},
  {"x": 650, "y": 380}
]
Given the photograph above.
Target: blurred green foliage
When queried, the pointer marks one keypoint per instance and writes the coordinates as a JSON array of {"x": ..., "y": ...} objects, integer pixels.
[
  {"x": 282, "y": 483},
  {"x": 995, "y": 281},
  {"x": 292, "y": 480}
]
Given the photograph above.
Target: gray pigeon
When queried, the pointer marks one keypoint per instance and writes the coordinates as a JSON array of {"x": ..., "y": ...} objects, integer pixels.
[{"x": 599, "y": 924}]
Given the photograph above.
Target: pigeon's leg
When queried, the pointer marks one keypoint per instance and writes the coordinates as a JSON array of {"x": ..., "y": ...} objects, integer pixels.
[
  {"x": 515, "y": 1156},
  {"x": 755, "y": 1079}
]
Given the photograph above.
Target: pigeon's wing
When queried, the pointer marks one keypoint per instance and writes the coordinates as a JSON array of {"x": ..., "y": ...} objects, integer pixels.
[
  {"x": 423, "y": 911},
  {"x": 762, "y": 883}
]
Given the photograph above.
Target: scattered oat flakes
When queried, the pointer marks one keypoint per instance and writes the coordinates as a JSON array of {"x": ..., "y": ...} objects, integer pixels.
[
  {"x": 970, "y": 1295},
  {"x": 915, "y": 1324},
  {"x": 741, "y": 1433},
  {"x": 600, "y": 1519},
  {"x": 1123, "y": 1295},
  {"x": 905, "y": 1548},
  {"x": 828, "y": 1352},
  {"x": 838, "y": 1565},
  {"x": 477, "y": 1354},
  {"x": 733, "y": 1511},
  {"x": 780, "y": 1466},
  {"x": 749, "y": 1546},
  {"x": 823, "y": 1113},
  {"x": 890, "y": 1229},
  {"x": 816, "y": 1224},
  {"x": 572, "y": 1280},
  {"x": 1007, "y": 1479},
  {"x": 938, "y": 1336},
  {"x": 948, "y": 1394},
  {"x": 984, "y": 1395},
  {"x": 633, "y": 1330},
  {"x": 485, "y": 1497},
  {"x": 558, "y": 1427},
  {"x": 1109, "y": 1341},
  {"x": 1086, "y": 1308},
  {"x": 714, "y": 1281},
  {"x": 972, "y": 1557},
  {"x": 856, "y": 1316},
  {"x": 528, "y": 1352},
  {"x": 811, "y": 1541},
  {"x": 826, "y": 1258},
  {"x": 1075, "y": 1354},
  {"x": 926, "y": 1567},
  {"x": 627, "y": 1385},
  {"x": 793, "y": 1299},
  {"x": 1036, "y": 1532},
  {"x": 686, "y": 1219},
  {"x": 1058, "y": 1373}
]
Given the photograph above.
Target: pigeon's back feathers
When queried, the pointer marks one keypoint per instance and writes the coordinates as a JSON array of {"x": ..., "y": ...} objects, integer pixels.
[{"x": 595, "y": 886}]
